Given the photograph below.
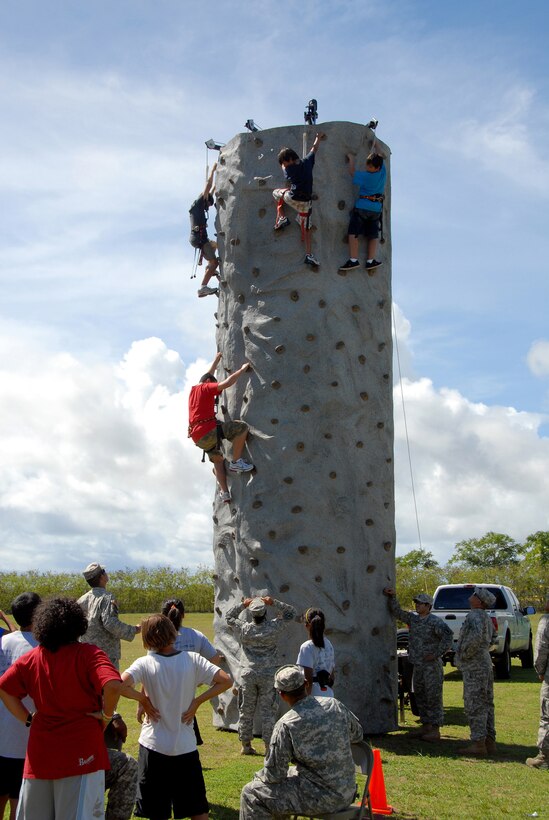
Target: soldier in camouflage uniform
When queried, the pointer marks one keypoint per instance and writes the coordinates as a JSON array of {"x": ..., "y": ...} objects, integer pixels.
[
  {"x": 121, "y": 783},
  {"x": 429, "y": 638},
  {"x": 258, "y": 665},
  {"x": 105, "y": 629},
  {"x": 474, "y": 660},
  {"x": 316, "y": 734},
  {"x": 541, "y": 665}
]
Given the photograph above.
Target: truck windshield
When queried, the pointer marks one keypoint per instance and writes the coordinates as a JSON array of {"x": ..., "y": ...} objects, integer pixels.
[{"x": 458, "y": 598}]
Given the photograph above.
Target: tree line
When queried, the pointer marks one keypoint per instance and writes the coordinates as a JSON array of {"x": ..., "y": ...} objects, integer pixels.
[
  {"x": 136, "y": 590},
  {"x": 494, "y": 558}
]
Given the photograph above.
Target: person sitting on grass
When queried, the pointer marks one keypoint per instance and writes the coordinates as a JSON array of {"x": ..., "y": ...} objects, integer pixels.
[
  {"x": 170, "y": 774},
  {"x": 366, "y": 214},
  {"x": 299, "y": 195},
  {"x": 206, "y": 431}
]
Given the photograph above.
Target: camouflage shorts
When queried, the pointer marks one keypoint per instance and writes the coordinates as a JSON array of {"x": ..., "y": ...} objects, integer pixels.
[{"x": 231, "y": 429}]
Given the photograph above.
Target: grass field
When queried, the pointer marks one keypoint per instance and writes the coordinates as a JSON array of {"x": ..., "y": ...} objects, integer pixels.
[{"x": 423, "y": 781}]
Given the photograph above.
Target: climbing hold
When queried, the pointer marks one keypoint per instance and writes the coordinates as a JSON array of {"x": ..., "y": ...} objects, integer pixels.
[
  {"x": 380, "y": 425},
  {"x": 262, "y": 213},
  {"x": 386, "y": 505},
  {"x": 340, "y": 345},
  {"x": 246, "y": 329},
  {"x": 369, "y": 483},
  {"x": 258, "y": 141},
  {"x": 341, "y": 550},
  {"x": 255, "y": 272},
  {"x": 284, "y": 588},
  {"x": 306, "y": 368},
  {"x": 345, "y": 605},
  {"x": 294, "y": 295},
  {"x": 220, "y": 200},
  {"x": 318, "y": 578},
  {"x": 359, "y": 444},
  {"x": 380, "y": 346},
  {"x": 220, "y": 710},
  {"x": 346, "y": 669},
  {"x": 274, "y": 421},
  {"x": 225, "y": 325},
  {"x": 305, "y": 408},
  {"x": 387, "y": 546},
  {"x": 342, "y": 273},
  {"x": 275, "y": 385},
  {"x": 375, "y": 630},
  {"x": 369, "y": 522},
  {"x": 218, "y": 610},
  {"x": 235, "y": 241},
  {"x": 241, "y": 298},
  {"x": 276, "y": 318},
  {"x": 303, "y": 550},
  {"x": 272, "y": 533},
  {"x": 364, "y": 396},
  {"x": 327, "y": 435},
  {"x": 214, "y": 519},
  {"x": 254, "y": 562},
  {"x": 322, "y": 303},
  {"x": 335, "y": 384},
  {"x": 300, "y": 446},
  {"x": 381, "y": 303},
  {"x": 333, "y": 475},
  {"x": 280, "y": 348},
  {"x": 310, "y": 337},
  {"x": 362, "y": 359},
  {"x": 288, "y": 480},
  {"x": 370, "y": 568},
  {"x": 236, "y": 579},
  {"x": 297, "y": 509},
  {"x": 221, "y": 160},
  {"x": 257, "y": 504},
  {"x": 245, "y": 399},
  {"x": 341, "y": 204},
  {"x": 388, "y": 460},
  {"x": 355, "y": 308},
  {"x": 372, "y": 272},
  {"x": 215, "y": 576},
  {"x": 385, "y": 377}
]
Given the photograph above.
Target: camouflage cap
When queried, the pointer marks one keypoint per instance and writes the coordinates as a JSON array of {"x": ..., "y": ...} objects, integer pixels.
[
  {"x": 484, "y": 595},
  {"x": 423, "y": 598},
  {"x": 289, "y": 678},
  {"x": 257, "y": 607},
  {"x": 92, "y": 570}
]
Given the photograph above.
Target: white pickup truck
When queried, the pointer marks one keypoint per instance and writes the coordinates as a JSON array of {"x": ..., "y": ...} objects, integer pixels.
[{"x": 514, "y": 633}]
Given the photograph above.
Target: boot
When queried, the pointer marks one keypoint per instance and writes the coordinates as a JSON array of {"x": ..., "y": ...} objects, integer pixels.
[
  {"x": 491, "y": 747},
  {"x": 247, "y": 748},
  {"x": 476, "y": 749},
  {"x": 432, "y": 735},
  {"x": 538, "y": 762},
  {"x": 421, "y": 730}
]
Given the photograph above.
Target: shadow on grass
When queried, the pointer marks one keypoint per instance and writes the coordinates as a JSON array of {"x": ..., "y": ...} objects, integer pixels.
[
  {"x": 518, "y": 675},
  {"x": 405, "y": 744},
  {"x": 222, "y": 813}
]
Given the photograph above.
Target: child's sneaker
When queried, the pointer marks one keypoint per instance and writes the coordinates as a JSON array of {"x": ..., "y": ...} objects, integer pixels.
[
  {"x": 311, "y": 260},
  {"x": 282, "y": 222},
  {"x": 225, "y": 497},
  {"x": 206, "y": 291},
  {"x": 373, "y": 264},
  {"x": 240, "y": 466},
  {"x": 350, "y": 264}
]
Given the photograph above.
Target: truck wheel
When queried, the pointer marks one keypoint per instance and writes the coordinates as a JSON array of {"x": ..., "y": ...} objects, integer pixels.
[
  {"x": 503, "y": 663},
  {"x": 527, "y": 657}
]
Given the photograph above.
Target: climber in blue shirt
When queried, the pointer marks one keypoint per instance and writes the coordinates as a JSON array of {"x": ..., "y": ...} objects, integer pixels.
[{"x": 366, "y": 214}]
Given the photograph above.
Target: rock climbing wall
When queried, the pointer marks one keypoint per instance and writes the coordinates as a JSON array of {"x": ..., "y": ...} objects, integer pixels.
[{"x": 313, "y": 525}]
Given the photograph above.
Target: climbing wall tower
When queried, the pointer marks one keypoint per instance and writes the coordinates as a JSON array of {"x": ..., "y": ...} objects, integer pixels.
[{"x": 314, "y": 524}]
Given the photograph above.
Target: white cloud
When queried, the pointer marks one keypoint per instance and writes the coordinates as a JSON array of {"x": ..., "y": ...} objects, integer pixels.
[{"x": 538, "y": 358}]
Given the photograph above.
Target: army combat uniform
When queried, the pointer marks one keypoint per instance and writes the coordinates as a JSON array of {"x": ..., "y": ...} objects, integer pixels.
[
  {"x": 474, "y": 661},
  {"x": 121, "y": 782},
  {"x": 541, "y": 664},
  {"x": 428, "y": 636},
  {"x": 105, "y": 629},
  {"x": 259, "y": 662},
  {"x": 316, "y": 734}
]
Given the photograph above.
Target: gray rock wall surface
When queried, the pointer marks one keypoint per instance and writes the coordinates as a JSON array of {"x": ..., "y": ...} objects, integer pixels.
[{"x": 314, "y": 524}]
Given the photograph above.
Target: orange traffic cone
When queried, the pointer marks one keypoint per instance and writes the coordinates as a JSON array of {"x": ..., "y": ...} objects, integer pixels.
[{"x": 378, "y": 796}]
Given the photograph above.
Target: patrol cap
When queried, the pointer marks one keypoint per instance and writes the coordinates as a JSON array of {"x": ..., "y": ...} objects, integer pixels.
[
  {"x": 423, "y": 598},
  {"x": 289, "y": 678},
  {"x": 485, "y": 596},
  {"x": 92, "y": 570},
  {"x": 257, "y": 607}
]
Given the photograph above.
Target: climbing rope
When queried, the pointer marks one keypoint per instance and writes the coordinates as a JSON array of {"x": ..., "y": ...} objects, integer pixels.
[{"x": 406, "y": 429}]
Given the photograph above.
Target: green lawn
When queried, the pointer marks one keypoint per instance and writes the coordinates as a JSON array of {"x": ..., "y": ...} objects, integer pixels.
[{"x": 424, "y": 781}]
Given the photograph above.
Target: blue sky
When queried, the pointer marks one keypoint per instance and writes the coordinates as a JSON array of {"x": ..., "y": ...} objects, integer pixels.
[{"x": 106, "y": 107}]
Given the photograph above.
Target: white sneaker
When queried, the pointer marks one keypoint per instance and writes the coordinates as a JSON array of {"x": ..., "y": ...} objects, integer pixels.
[
  {"x": 225, "y": 497},
  {"x": 311, "y": 260},
  {"x": 240, "y": 466},
  {"x": 206, "y": 291}
]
